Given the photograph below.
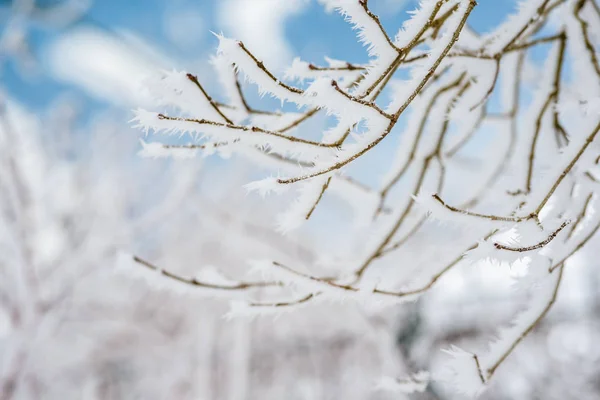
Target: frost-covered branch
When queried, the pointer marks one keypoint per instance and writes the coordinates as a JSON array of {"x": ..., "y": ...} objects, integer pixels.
[{"x": 495, "y": 139}]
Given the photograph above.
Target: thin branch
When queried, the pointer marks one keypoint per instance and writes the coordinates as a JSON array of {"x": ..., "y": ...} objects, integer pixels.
[
  {"x": 581, "y": 216},
  {"x": 488, "y": 93},
  {"x": 262, "y": 67},
  {"x": 249, "y": 110},
  {"x": 197, "y": 283},
  {"x": 328, "y": 282},
  {"x": 431, "y": 22},
  {"x": 479, "y": 371},
  {"x": 348, "y": 67},
  {"x": 588, "y": 43},
  {"x": 478, "y": 215},
  {"x": 438, "y": 61},
  {"x": 323, "y": 189},
  {"x": 355, "y": 99},
  {"x": 416, "y": 143},
  {"x": 404, "y": 51},
  {"x": 542, "y": 204},
  {"x": 434, "y": 155},
  {"x": 588, "y": 141},
  {"x": 552, "y": 98},
  {"x": 533, "y": 43},
  {"x": 375, "y": 18},
  {"x": 250, "y": 129},
  {"x": 339, "y": 164},
  {"x": 396, "y": 115},
  {"x": 579, "y": 246},
  {"x": 514, "y": 112},
  {"x": 300, "y": 120},
  {"x": 539, "y": 12},
  {"x": 286, "y": 303},
  {"x": 213, "y": 104},
  {"x": 536, "y": 246},
  {"x": 389, "y": 70},
  {"x": 195, "y": 146},
  {"x": 465, "y": 139},
  {"x": 402, "y": 241},
  {"x": 428, "y": 285},
  {"x": 413, "y": 59},
  {"x": 529, "y": 328}
]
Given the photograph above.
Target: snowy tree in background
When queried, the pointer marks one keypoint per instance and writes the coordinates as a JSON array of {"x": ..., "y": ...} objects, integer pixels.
[
  {"x": 63, "y": 221},
  {"x": 496, "y": 164},
  {"x": 72, "y": 198},
  {"x": 73, "y": 329},
  {"x": 15, "y": 43}
]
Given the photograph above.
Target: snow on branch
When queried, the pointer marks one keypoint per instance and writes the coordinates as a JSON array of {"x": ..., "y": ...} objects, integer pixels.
[
  {"x": 237, "y": 54},
  {"x": 499, "y": 143},
  {"x": 208, "y": 282},
  {"x": 370, "y": 30},
  {"x": 250, "y": 135}
]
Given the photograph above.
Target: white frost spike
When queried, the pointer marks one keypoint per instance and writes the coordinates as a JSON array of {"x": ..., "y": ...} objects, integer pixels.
[
  {"x": 410, "y": 27},
  {"x": 266, "y": 186},
  {"x": 241, "y": 135},
  {"x": 274, "y": 271},
  {"x": 158, "y": 150},
  {"x": 580, "y": 59},
  {"x": 438, "y": 212},
  {"x": 246, "y": 310},
  {"x": 233, "y": 52},
  {"x": 310, "y": 193},
  {"x": 146, "y": 120},
  {"x": 410, "y": 138},
  {"x": 236, "y": 110},
  {"x": 323, "y": 93},
  {"x": 462, "y": 373},
  {"x": 301, "y": 71},
  {"x": 276, "y": 122},
  {"x": 266, "y": 270},
  {"x": 486, "y": 250},
  {"x": 175, "y": 88},
  {"x": 562, "y": 162},
  {"x": 369, "y": 32},
  {"x": 422, "y": 69},
  {"x": 542, "y": 296},
  {"x": 500, "y": 37},
  {"x": 127, "y": 266},
  {"x": 227, "y": 79}
]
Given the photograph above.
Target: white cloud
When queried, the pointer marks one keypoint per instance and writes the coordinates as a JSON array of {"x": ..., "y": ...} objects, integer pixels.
[
  {"x": 260, "y": 25},
  {"x": 185, "y": 28},
  {"x": 106, "y": 66}
]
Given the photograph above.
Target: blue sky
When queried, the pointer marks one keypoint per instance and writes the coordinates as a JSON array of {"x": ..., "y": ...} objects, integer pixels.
[{"x": 180, "y": 31}]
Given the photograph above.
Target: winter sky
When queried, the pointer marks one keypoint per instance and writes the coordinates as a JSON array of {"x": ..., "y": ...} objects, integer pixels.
[{"x": 103, "y": 56}]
